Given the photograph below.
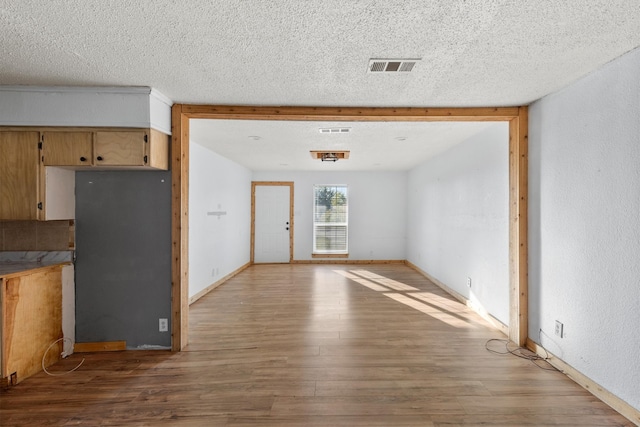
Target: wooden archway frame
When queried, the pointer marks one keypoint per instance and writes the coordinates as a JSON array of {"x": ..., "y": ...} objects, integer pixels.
[{"x": 518, "y": 185}]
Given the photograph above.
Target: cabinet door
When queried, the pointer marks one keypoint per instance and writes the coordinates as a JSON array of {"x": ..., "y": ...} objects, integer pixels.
[
  {"x": 158, "y": 148},
  {"x": 19, "y": 175},
  {"x": 126, "y": 148},
  {"x": 67, "y": 148},
  {"x": 32, "y": 307}
]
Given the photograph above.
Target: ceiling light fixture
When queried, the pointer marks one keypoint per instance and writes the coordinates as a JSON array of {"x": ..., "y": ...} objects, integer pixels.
[{"x": 329, "y": 156}]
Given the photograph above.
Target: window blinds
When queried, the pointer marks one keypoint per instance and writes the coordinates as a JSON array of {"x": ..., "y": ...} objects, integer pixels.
[{"x": 330, "y": 219}]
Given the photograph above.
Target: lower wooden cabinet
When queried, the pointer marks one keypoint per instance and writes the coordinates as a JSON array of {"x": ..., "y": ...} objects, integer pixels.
[{"x": 31, "y": 322}]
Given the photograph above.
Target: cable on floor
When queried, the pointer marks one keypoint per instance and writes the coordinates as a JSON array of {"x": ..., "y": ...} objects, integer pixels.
[
  {"x": 44, "y": 356},
  {"x": 523, "y": 353}
]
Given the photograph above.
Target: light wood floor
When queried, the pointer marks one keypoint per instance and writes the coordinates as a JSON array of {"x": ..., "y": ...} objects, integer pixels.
[{"x": 314, "y": 345}]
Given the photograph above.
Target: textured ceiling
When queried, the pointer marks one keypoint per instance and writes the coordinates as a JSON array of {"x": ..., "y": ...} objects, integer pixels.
[{"x": 302, "y": 52}]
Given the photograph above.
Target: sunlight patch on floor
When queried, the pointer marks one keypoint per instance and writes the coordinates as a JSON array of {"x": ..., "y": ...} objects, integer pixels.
[
  {"x": 364, "y": 282},
  {"x": 385, "y": 281},
  {"x": 440, "y": 301},
  {"x": 429, "y": 310},
  {"x": 436, "y": 306}
]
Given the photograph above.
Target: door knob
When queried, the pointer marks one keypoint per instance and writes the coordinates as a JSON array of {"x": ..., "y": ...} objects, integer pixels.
[{"x": 287, "y": 228}]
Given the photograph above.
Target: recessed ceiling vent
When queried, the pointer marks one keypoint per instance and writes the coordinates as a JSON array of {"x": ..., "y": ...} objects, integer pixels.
[
  {"x": 335, "y": 130},
  {"x": 392, "y": 65}
]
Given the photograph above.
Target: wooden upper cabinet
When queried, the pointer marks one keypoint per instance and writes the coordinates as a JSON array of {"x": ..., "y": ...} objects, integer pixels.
[
  {"x": 120, "y": 148},
  {"x": 67, "y": 148},
  {"x": 115, "y": 149},
  {"x": 20, "y": 173},
  {"x": 37, "y": 167},
  {"x": 158, "y": 149},
  {"x": 148, "y": 148}
]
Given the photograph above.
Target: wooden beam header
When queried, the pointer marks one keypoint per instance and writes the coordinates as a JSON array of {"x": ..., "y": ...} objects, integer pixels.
[{"x": 348, "y": 114}]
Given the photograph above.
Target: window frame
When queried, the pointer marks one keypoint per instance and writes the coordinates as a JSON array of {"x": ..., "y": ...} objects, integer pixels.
[{"x": 316, "y": 252}]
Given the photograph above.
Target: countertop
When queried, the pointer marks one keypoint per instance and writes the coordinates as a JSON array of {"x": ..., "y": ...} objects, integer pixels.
[
  {"x": 20, "y": 262},
  {"x": 7, "y": 268}
]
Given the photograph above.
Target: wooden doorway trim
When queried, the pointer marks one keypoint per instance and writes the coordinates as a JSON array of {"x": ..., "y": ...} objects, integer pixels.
[
  {"x": 254, "y": 184},
  {"x": 517, "y": 117}
]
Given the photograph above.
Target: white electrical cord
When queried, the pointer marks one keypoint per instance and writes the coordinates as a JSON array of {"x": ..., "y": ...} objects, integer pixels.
[{"x": 44, "y": 356}]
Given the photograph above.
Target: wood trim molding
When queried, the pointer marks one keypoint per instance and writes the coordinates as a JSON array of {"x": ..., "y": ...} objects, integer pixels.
[
  {"x": 475, "y": 307},
  {"x": 517, "y": 117},
  {"x": 348, "y": 261},
  {"x": 179, "y": 228},
  {"x": 217, "y": 283},
  {"x": 349, "y": 113},
  {"x": 329, "y": 255},
  {"x": 518, "y": 247},
  {"x": 94, "y": 347},
  {"x": 254, "y": 184},
  {"x": 594, "y": 388}
]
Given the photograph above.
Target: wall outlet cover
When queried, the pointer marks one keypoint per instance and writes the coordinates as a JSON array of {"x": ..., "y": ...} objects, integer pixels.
[{"x": 559, "y": 329}]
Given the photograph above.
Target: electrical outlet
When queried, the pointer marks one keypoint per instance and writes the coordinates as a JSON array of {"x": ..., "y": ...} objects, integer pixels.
[
  {"x": 163, "y": 325},
  {"x": 469, "y": 281},
  {"x": 559, "y": 329}
]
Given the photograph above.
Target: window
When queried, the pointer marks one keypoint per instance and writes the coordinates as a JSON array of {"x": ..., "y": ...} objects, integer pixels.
[{"x": 330, "y": 219}]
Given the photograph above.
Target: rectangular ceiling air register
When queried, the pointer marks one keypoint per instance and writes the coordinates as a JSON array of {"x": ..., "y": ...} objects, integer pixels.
[
  {"x": 334, "y": 130},
  {"x": 392, "y": 65}
]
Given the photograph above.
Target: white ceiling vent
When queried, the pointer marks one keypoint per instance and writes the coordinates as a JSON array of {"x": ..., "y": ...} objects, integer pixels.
[
  {"x": 392, "y": 65},
  {"x": 335, "y": 130}
]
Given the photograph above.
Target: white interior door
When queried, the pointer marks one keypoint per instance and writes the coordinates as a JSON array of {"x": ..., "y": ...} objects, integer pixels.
[{"x": 272, "y": 228}]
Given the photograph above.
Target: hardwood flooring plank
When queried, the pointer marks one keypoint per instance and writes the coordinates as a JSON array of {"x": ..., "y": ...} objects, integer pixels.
[
  {"x": 402, "y": 388},
  {"x": 538, "y": 419},
  {"x": 365, "y": 406},
  {"x": 334, "y": 421}
]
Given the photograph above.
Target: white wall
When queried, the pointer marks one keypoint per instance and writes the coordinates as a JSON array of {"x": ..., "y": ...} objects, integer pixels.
[
  {"x": 377, "y": 211},
  {"x": 458, "y": 206},
  {"x": 584, "y": 226},
  {"x": 218, "y": 245}
]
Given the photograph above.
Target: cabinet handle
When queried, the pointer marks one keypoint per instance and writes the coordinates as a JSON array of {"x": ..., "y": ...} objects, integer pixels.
[
  {"x": 83, "y": 159},
  {"x": 99, "y": 158}
]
